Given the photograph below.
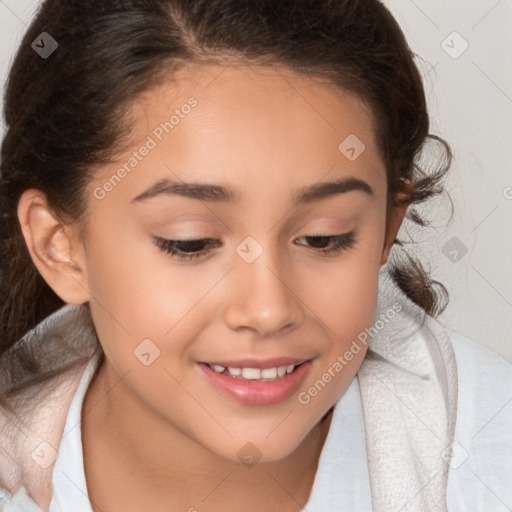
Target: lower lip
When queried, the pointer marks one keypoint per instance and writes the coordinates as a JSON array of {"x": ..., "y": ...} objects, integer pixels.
[{"x": 253, "y": 392}]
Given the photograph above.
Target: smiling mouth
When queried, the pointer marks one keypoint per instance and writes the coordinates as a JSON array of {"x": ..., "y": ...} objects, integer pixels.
[
  {"x": 243, "y": 382},
  {"x": 255, "y": 374}
]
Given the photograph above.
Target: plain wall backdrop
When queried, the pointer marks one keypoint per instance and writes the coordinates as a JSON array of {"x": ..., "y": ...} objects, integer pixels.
[{"x": 463, "y": 51}]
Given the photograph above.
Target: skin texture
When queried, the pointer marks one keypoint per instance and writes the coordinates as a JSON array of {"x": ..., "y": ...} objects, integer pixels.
[{"x": 160, "y": 437}]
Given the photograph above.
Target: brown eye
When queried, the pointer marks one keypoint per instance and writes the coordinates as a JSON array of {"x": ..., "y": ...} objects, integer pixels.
[
  {"x": 332, "y": 244},
  {"x": 186, "y": 249}
]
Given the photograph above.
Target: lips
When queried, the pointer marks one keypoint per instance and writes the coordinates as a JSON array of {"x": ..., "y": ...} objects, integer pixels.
[{"x": 253, "y": 390}]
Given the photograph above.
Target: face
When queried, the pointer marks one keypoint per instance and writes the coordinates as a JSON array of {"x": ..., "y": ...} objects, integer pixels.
[{"x": 258, "y": 265}]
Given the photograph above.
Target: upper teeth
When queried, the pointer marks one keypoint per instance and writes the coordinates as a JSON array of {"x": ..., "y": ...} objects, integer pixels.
[{"x": 256, "y": 373}]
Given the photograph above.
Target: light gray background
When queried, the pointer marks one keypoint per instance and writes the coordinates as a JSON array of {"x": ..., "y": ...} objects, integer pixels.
[{"x": 470, "y": 101}]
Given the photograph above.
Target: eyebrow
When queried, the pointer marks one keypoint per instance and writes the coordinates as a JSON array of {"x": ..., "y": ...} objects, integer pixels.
[{"x": 225, "y": 194}]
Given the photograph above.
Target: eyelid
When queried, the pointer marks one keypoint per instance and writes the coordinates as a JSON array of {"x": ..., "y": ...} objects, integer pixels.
[{"x": 342, "y": 243}]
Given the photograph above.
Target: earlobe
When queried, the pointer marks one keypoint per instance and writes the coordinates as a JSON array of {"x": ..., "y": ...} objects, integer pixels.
[{"x": 53, "y": 248}]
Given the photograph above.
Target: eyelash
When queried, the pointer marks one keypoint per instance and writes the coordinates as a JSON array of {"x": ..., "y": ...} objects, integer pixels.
[{"x": 341, "y": 243}]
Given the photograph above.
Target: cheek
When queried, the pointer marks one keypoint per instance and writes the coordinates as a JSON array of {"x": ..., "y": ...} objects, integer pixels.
[
  {"x": 344, "y": 297},
  {"x": 138, "y": 294},
  {"x": 144, "y": 314},
  {"x": 132, "y": 282},
  {"x": 344, "y": 292},
  {"x": 348, "y": 310}
]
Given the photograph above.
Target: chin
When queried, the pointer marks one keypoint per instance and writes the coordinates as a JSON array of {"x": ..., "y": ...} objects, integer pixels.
[{"x": 261, "y": 446}]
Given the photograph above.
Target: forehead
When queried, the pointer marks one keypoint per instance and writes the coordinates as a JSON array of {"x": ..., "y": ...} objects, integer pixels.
[
  {"x": 249, "y": 124},
  {"x": 233, "y": 93}
]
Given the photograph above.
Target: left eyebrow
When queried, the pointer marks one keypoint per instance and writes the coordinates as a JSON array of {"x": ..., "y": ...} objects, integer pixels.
[
  {"x": 330, "y": 188},
  {"x": 221, "y": 193}
]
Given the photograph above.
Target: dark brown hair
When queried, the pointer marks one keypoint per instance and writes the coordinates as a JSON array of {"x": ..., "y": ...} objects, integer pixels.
[{"x": 63, "y": 112}]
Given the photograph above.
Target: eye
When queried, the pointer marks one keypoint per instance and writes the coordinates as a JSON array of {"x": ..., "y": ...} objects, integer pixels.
[
  {"x": 331, "y": 245},
  {"x": 191, "y": 249},
  {"x": 186, "y": 249}
]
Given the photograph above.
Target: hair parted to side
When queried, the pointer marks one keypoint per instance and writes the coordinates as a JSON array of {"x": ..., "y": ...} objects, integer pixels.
[{"x": 63, "y": 114}]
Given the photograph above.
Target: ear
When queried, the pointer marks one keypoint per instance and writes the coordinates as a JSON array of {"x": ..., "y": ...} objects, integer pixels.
[
  {"x": 54, "y": 248},
  {"x": 396, "y": 217}
]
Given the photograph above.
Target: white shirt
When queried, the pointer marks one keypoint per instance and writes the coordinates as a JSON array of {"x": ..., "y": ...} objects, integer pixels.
[{"x": 480, "y": 477}]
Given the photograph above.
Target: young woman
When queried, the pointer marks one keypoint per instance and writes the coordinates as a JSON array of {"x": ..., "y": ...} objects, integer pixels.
[{"x": 199, "y": 311}]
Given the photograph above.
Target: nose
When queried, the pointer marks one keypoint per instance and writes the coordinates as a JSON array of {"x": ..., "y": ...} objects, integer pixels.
[{"x": 263, "y": 296}]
